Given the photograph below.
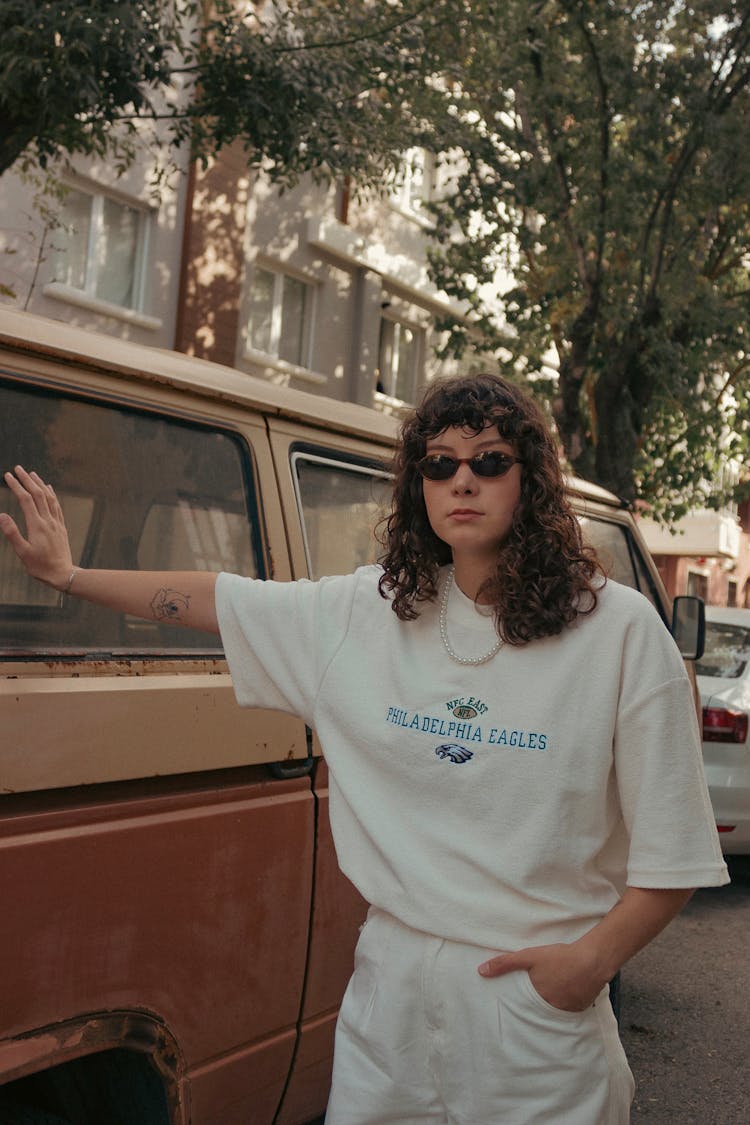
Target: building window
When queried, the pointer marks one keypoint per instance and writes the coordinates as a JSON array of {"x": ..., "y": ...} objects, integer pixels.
[
  {"x": 413, "y": 185},
  {"x": 280, "y": 316},
  {"x": 697, "y": 585},
  {"x": 732, "y": 592},
  {"x": 400, "y": 358},
  {"x": 102, "y": 248}
]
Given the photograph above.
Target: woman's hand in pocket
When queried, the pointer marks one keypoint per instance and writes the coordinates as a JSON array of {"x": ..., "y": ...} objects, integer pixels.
[{"x": 562, "y": 974}]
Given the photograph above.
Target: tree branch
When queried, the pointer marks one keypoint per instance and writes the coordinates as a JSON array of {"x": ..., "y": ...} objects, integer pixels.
[
  {"x": 562, "y": 179},
  {"x": 605, "y": 120},
  {"x": 378, "y": 33},
  {"x": 722, "y": 96}
]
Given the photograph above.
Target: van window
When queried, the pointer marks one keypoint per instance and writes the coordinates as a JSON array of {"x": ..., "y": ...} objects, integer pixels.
[
  {"x": 620, "y": 556},
  {"x": 139, "y": 491},
  {"x": 340, "y": 503}
]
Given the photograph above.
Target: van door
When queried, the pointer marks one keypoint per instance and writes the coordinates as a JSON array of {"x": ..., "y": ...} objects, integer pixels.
[
  {"x": 335, "y": 491},
  {"x": 159, "y": 874},
  {"x": 622, "y": 554}
]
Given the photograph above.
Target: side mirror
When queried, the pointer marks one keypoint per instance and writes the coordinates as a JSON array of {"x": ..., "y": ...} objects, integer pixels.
[{"x": 689, "y": 626}]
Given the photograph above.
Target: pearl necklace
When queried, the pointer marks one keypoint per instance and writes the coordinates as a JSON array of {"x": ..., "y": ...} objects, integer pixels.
[{"x": 444, "y": 630}]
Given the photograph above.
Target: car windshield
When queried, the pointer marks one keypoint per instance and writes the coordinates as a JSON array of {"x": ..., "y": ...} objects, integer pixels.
[{"x": 727, "y": 650}]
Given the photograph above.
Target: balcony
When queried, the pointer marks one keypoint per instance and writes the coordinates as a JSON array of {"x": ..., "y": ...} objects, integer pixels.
[
  {"x": 704, "y": 534},
  {"x": 401, "y": 263}
]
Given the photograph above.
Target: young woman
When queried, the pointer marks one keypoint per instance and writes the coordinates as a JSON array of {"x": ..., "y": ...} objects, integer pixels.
[{"x": 516, "y": 775}]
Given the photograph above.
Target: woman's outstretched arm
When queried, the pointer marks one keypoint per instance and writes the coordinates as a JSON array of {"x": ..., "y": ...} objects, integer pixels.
[{"x": 174, "y": 597}]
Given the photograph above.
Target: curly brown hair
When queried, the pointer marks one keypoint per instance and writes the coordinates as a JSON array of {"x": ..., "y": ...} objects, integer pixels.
[{"x": 545, "y": 575}]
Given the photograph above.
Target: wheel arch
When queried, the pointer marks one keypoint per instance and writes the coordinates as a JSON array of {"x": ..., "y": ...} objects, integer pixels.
[{"x": 36, "y": 1052}]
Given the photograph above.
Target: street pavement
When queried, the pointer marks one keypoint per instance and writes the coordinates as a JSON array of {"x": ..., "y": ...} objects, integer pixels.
[{"x": 685, "y": 1019}]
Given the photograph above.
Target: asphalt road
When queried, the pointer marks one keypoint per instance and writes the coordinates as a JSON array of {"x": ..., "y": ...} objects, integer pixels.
[{"x": 685, "y": 1019}]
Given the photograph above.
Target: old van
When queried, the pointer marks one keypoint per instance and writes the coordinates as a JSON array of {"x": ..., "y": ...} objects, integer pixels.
[{"x": 175, "y": 933}]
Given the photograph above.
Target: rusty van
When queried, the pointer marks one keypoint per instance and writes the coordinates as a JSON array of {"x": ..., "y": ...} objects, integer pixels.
[{"x": 175, "y": 934}]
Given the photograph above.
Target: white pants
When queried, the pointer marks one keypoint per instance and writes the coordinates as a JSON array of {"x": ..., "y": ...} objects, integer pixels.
[{"x": 422, "y": 1038}]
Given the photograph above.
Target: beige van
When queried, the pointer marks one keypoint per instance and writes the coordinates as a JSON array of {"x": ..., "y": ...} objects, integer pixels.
[{"x": 176, "y": 936}]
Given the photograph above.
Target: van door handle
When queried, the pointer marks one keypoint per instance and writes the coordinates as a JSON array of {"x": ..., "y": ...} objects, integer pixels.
[{"x": 295, "y": 767}]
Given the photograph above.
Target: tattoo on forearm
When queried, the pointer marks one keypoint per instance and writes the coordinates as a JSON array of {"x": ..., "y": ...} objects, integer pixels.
[{"x": 169, "y": 605}]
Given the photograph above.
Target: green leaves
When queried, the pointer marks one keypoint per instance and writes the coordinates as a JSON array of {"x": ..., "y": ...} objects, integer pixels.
[
  {"x": 318, "y": 87},
  {"x": 600, "y": 156},
  {"x": 611, "y": 170},
  {"x": 68, "y": 70}
]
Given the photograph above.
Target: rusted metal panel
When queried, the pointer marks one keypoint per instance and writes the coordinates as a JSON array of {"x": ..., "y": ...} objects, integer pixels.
[
  {"x": 308, "y": 1091},
  {"x": 338, "y": 912},
  {"x": 100, "y": 1031},
  {"x": 243, "y": 1090},
  {"x": 191, "y": 910}
]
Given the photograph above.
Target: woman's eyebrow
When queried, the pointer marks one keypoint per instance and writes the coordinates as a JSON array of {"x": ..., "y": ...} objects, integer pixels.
[{"x": 488, "y": 443}]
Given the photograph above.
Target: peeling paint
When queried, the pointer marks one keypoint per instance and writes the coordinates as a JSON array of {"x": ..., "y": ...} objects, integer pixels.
[{"x": 38, "y": 1050}]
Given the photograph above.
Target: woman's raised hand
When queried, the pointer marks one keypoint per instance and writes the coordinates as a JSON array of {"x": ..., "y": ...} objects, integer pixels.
[
  {"x": 45, "y": 551},
  {"x": 171, "y": 597}
]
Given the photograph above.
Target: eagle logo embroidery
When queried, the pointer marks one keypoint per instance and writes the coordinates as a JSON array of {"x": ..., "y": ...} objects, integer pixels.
[{"x": 454, "y": 752}]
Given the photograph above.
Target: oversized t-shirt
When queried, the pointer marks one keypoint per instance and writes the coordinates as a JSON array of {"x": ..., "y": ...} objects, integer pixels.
[{"x": 507, "y": 803}]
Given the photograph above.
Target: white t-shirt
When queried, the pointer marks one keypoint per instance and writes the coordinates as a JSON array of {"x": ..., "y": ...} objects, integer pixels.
[{"x": 505, "y": 804}]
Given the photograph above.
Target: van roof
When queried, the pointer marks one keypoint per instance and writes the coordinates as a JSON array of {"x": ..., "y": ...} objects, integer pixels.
[{"x": 70, "y": 345}]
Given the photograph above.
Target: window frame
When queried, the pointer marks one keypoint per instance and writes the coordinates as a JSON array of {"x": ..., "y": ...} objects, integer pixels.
[
  {"x": 697, "y": 582},
  {"x": 64, "y": 608},
  {"x": 280, "y": 277},
  {"x": 331, "y": 458},
  {"x": 97, "y": 198},
  {"x": 417, "y": 375},
  {"x": 401, "y": 196},
  {"x": 645, "y": 583}
]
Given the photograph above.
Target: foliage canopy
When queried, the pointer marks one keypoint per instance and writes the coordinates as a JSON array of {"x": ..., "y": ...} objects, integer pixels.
[
  {"x": 610, "y": 167},
  {"x": 307, "y": 87},
  {"x": 599, "y": 153}
]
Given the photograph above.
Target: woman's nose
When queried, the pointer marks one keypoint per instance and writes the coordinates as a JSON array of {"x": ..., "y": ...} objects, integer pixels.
[{"x": 464, "y": 481}]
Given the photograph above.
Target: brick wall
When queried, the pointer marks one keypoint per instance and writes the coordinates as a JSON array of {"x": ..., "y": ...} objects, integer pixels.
[{"x": 213, "y": 258}]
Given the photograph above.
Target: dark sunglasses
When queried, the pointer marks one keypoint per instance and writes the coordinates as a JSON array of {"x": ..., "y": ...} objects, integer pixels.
[{"x": 492, "y": 463}]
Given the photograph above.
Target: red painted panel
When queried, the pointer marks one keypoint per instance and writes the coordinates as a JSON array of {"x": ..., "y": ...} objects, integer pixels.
[
  {"x": 243, "y": 1090},
  {"x": 193, "y": 906},
  {"x": 338, "y": 912},
  {"x": 308, "y": 1090}
]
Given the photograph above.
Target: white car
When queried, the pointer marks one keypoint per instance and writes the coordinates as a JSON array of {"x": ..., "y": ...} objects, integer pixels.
[{"x": 723, "y": 674}]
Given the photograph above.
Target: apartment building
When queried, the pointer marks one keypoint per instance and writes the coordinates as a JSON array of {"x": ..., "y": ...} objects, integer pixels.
[
  {"x": 313, "y": 288},
  {"x": 707, "y": 553},
  {"x": 105, "y": 255}
]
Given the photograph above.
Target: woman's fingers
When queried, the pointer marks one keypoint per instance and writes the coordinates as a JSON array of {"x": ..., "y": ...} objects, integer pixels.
[
  {"x": 34, "y": 496},
  {"x": 24, "y": 490},
  {"x": 48, "y": 500},
  {"x": 34, "y": 488},
  {"x": 45, "y": 552},
  {"x": 12, "y": 533}
]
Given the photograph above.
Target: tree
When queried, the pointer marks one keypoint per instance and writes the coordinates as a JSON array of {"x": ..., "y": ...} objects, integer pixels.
[
  {"x": 308, "y": 87},
  {"x": 601, "y": 156},
  {"x": 606, "y": 164},
  {"x": 69, "y": 70}
]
